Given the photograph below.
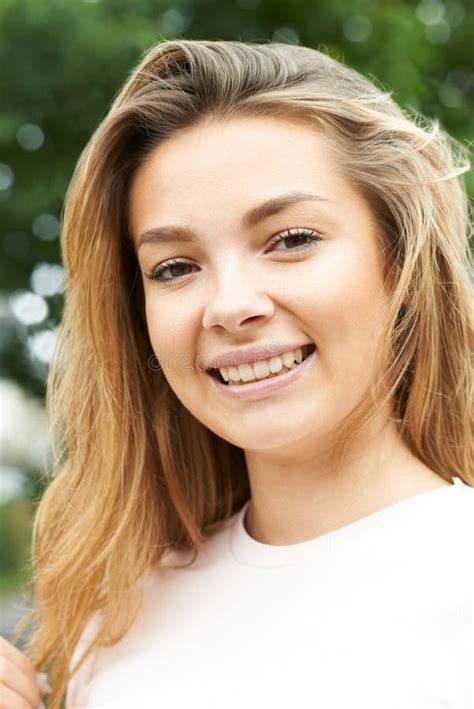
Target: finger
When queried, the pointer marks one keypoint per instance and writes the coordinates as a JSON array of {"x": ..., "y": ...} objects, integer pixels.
[
  {"x": 17, "y": 657},
  {"x": 11, "y": 700},
  {"x": 13, "y": 678}
]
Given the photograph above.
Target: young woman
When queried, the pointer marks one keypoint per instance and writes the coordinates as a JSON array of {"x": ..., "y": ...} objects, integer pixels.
[{"x": 261, "y": 399}]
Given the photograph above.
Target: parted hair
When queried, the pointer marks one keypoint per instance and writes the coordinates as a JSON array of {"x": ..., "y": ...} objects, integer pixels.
[{"x": 133, "y": 473}]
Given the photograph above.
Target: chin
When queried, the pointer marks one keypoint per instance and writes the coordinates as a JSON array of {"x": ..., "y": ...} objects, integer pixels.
[{"x": 263, "y": 440}]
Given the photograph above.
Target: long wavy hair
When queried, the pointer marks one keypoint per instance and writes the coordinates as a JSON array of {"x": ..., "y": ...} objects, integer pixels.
[{"x": 134, "y": 474}]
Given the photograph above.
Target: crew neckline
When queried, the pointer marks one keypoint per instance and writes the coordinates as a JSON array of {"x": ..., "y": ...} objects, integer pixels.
[{"x": 247, "y": 550}]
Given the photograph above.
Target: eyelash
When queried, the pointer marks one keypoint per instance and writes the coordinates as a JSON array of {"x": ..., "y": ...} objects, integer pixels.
[{"x": 156, "y": 271}]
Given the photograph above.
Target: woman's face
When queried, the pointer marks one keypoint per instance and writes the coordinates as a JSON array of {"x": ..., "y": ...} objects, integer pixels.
[{"x": 238, "y": 287}]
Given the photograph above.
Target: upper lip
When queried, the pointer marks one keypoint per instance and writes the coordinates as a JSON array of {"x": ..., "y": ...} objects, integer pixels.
[{"x": 253, "y": 354}]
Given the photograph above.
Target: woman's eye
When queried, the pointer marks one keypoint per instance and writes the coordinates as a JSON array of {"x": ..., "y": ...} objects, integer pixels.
[
  {"x": 174, "y": 267},
  {"x": 296, "y": 239}
]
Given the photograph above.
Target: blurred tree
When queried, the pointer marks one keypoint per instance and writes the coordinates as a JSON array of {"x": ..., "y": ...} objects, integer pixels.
[{"x": 64, "y": 61}]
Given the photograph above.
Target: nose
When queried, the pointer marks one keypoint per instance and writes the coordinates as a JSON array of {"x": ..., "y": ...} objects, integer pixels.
[{"x": 237, "y": 300}]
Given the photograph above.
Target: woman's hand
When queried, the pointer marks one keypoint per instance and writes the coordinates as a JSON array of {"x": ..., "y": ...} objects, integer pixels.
[{"x": 19, "y": 688}]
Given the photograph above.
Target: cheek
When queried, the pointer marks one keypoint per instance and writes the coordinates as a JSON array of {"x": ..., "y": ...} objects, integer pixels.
[
  {"x": 162, "y": 328},
  {"x": 346, "y": 309},
  {"x": 171, "y": 329}
]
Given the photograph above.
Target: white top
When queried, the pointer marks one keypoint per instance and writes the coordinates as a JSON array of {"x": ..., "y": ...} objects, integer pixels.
[{"x": 377, "y": 614}]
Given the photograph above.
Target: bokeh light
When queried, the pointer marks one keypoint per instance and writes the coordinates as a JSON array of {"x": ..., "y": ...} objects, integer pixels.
[
  {"x": 47, "y": 279},
  {"x": 46, "y": 227},
  {"x": 357, "y": 28},
  {"x": 173, "y": 22},
  {"x": 41, "y": 345},
  {"x": 28, "y": 308},
  {"x": 30, "y": 137},
  {"x": 430, "y": 12},
  {"x": 6, "y": 176}
]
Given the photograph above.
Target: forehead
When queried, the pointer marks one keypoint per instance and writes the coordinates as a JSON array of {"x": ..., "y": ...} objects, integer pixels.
[
  {"x": 236, "y": 144},
  {"x": 241, "y": 162}
]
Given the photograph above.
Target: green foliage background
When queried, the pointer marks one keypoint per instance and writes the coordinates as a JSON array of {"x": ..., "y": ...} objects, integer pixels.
[{"x": 63, "y": 61}]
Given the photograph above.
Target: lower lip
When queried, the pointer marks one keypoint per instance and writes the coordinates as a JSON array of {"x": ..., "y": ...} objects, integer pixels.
[{"x": 267, "y": 386}]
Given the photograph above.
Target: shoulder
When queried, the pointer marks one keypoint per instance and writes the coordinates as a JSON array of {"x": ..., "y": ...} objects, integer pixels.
[
  {"x": 457, "y": 507},
  {"x": 452, "y": 523},
  {"x": 463, "y": 496}
]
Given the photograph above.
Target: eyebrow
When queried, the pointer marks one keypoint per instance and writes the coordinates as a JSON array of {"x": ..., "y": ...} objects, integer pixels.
[{"x": 254, "y": 216}]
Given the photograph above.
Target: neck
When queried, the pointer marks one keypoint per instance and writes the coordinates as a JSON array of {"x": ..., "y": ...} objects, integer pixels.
[{"x": 296, "y": 497}]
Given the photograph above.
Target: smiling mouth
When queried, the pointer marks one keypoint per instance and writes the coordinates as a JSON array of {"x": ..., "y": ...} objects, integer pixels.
[{"x": 307, "y": 351}]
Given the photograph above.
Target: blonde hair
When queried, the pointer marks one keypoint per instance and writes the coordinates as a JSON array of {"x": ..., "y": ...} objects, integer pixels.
[{"x": 134, "y": 473}]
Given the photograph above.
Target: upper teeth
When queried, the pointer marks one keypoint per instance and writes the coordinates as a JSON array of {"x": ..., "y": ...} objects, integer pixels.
[{"x": 261, "y": 369}]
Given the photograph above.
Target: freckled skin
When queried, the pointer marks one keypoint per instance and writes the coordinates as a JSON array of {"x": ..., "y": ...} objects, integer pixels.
[{"x": 241, "y": 294}]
